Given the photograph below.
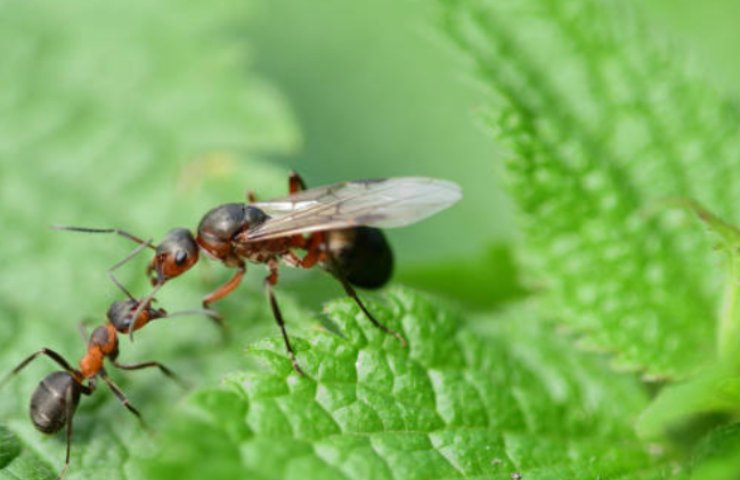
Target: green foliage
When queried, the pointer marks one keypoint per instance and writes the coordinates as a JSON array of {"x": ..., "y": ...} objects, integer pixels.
[
  {"x": 375, "y": 97},
  {"x": 144, "y": 115},
  {"x": 17, "y": 462},
  {"x": 694, "y": 405},
  {"x": 689, "y": 410},
  {"x": 483, "y": 282},
  {"x": 140, "y": 116},
  {"x": 716, "y": 457},
  {"x": 601, "y": 124},
  {"x": 456, "y": 403}
]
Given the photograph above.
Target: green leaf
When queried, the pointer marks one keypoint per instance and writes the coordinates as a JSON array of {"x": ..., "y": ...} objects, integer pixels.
[
  {"x": 718, "y": 456},
  {"x": 602, "y": 122},
  {"x": 17, "y": 462},
  {"x": 142, "y": 116},
  {"x": 488, "y": 400},
  {"x": 685, "y": 409},
  {"x": 484, "y": 282},
  {"x": 710, "y": 398},
  {"x": 728, "y": 242}
]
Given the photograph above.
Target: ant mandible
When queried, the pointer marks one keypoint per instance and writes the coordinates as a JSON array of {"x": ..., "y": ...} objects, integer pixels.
[{"x": 334, "y": 225}]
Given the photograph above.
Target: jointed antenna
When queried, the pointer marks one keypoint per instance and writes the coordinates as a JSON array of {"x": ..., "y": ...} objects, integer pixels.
[{"x": 117, "y": 231}]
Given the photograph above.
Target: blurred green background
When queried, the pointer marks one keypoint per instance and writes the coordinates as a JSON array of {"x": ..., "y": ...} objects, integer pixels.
[{"x": 146, "y": 114}]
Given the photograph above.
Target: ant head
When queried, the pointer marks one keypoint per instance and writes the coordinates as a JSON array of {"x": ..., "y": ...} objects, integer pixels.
[
  {"x": 174, "y": 256},
  {"x": 120, "y": 314},
  {"x": 51, "y": 401}
]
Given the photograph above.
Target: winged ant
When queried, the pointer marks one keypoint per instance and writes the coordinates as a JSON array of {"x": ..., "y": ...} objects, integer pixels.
[{"x": 337, "y": 226}]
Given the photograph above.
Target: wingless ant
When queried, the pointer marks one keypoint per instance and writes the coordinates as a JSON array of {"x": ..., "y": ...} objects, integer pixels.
[
  {"x": 55, "y": 400},
  {"x": 336, "y": 226}
]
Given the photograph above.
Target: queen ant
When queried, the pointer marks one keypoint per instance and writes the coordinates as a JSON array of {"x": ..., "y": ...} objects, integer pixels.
[{"x": 336, "y": 226}]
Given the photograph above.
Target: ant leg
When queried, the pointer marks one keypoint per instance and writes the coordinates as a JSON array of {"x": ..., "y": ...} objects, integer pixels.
[
  {"x": 69, "y": 413},
  {"x": 314, "y": 252},
  {"x": 221, "y": 292},
  {"x": 121, "y": 396},
  {"x": 349, "y": 289},
  {"x": 49, "y": 353},
  {"x": 295, "y": 183},
  {"x": 271, "y": 280},
  {"x": 226, "y": 288},
  {"x": 90, "y": 387},
  {"x": 165, "y": 371}
]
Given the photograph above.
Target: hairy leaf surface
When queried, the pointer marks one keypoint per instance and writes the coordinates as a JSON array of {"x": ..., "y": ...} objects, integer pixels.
[
  {"x": 602, "y": 123},
  {"x": 504, "y": 398}
]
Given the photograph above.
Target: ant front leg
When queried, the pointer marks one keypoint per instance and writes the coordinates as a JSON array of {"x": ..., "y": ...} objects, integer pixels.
[
  {"x": 271, "y": 280},
  {"x": 152, "y": 364},
  {"x": 49, "y": 353},
  {"x": 223, "y": 291},
  {"x": 226, "y": 288}
]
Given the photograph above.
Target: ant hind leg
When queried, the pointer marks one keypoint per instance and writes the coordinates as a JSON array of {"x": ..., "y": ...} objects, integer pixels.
[
  {"x": 271, "y": 280},
  {"x": 349, "y": 289},
  {"x": 69, "y": 413}
]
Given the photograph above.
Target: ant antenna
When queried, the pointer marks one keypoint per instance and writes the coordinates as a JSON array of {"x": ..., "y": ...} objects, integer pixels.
[
  {"x": 122, "y": 262},
  {"x": 117, "y": 231},
  {"x": 195, "y": 311},
  {"x": 212, "y": 314},
  {"x": 82, "y": 330},
  {"x": 140, "y": 308}
]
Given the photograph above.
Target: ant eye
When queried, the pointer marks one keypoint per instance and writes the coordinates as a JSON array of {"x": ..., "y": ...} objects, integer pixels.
[{"x": 180, "y": 258}]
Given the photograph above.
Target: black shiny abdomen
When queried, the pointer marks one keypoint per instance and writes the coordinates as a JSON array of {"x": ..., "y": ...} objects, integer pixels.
[
  {"x": 225, "y": 221},
  {"x": 49, "y": 401},
  {"x": 363, "y": 254}
]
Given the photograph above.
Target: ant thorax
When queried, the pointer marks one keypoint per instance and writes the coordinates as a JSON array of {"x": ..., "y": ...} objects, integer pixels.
[{"x": 220, "y": 227}]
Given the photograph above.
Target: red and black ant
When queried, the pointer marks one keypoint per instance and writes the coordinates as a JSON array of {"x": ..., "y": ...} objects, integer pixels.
[
  {"x": 55, "y": 400},
  {"x": 335, "y": 225}
]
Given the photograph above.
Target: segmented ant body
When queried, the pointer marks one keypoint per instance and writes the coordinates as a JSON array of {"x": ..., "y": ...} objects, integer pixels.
[
  {"x": 335, "y": 226},
  {"x": 55, "y": 400}
]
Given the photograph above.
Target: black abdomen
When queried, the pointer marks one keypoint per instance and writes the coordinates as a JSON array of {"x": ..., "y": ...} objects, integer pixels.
[
  {"x": 50, "y": 400},
  {"x": 363, "y": 255}
]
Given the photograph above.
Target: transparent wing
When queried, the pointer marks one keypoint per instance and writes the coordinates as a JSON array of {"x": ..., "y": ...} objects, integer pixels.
[{"x": 384, "y": 203}]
